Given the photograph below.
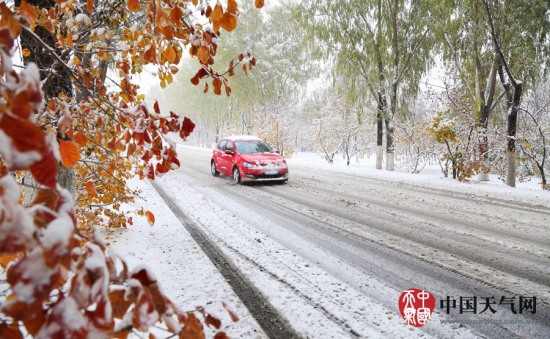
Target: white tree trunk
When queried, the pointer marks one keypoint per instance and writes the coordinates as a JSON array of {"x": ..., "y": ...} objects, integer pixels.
[
  {"x": 379, "y": 156},
  {"x": 511, "y": 173},
  {"x": 390, "y": 161}
]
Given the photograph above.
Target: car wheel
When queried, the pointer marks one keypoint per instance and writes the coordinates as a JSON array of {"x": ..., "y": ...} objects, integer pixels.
[
  {"x": 213, "y": 169},
  {"x": 236, "y": 175}
]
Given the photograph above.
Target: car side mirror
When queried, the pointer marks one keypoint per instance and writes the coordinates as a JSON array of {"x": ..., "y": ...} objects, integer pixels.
[{"x": 228, "y": 151}]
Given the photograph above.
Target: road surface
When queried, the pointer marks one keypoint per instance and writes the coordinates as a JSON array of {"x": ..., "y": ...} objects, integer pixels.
[{"x": 333, "y": 252}]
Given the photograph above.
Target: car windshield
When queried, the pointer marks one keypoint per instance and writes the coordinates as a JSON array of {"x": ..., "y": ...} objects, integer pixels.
[{"x": 252, "y": 147}]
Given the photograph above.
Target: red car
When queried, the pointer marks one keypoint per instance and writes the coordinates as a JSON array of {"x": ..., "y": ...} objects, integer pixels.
[{"x": 248, "y": 158}]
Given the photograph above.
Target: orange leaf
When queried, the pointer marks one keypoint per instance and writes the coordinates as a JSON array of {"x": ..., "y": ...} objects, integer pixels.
[
  {"x": 8, "y": 19},
  {"x": 221, "y": 335},
  {"x": 217, "y": 84},
  {"x": 80, "y": 138},
  {"x": 150, "y": 55},
  {"x": 202, "y": 54},
  {"x": 90, "y": 6},
  {"x": 228, "y": 22},
  {"x": 7, "y": 258},
  {"x": 28, "y": 13},
  {"x": 187, "y": 127},
  {"x": 259, "y": 3},
  {"x": 69, "y": 152},
  {"x": 90, "y": 188},
  {"x": 193, "y": 328},
  {"x": 170, "y": 54},
  {"x": 25, "y": 135},
  {"x": 232, "y": 6},
  {"x": 48, "y": 198},
  {"x": 216, "y": 16},
  {"x": 10, "y": 331},
  {"x": 45, "y": 170},
  {"x": 233, "y": 316},
  {"x": 119, "y": 303},
  {"x": 195, "y": 80},
  {"x": 134, "y": 5},
  {"x": 211, "y": 321},
  {"x": 176, "y": 14},
  {"x": 150, "y": 217}
]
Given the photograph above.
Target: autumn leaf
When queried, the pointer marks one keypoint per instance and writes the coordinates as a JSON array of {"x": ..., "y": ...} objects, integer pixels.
[
  {"x": 80, "y": 138},
  {"x": 91, "y": 189},
  {"x": 45, "y": 170},
  {"x": 8, "y": 19},
  {"x": 134, "y": 5},
  {"x": 150, "y": 55},
  {"x": 90, "y": 5},
  {"x": 233, "y": 316},
  {"x": 217, "y": 84},
  {"x": 212, "y": 321},
  {"x": 7, "y": 258},
  {"x": 259, "y": 3},
  {"x": 69, "y": 152},
  {"x": 150, "y": 217},
  {"x": 48, "y": 198},
  {"x": 176, "y": 14},
  {"x": 228, "y": 22},
  {"x": 232, "y": 6},
  {"x": 25, "y": 135},
  {"x": 119, "y": 303},
  {"x": 28, "y": 13},
  {"x": 187, "y": 127},
  {"x": 26, "y": 52},
  {"x": 202, "y": 54},
  {"x": 193, "y": 328},
  {"x": 170, "y": 54},
  {"x": 221, "y": 335},
  {"x": 10, "y": 331},
  {"x": 216, "y": 17}
]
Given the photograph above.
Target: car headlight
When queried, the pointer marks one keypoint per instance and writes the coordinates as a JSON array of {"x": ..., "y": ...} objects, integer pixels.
[
  {"x": 249, "y": 165},
  {"x": 283, "y": 164}
]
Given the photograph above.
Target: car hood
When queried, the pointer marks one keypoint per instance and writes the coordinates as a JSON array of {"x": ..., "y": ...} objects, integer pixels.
[{"x": 262, "y": 158}]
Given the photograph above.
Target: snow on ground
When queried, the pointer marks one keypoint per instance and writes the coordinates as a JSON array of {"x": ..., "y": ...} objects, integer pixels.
[
  {"x": 529, "y": 192},
  {"x": 190, "y": 279}
]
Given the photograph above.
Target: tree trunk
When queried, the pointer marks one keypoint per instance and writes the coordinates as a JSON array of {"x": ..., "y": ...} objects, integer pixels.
[
  {"x": 380, "y": 131},
  {"x": 390, "y": 157},
  {"x": 56, "y": 79},
  {"x": 512, "y": 128}
]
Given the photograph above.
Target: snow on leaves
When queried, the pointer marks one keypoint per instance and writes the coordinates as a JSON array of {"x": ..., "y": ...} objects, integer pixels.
[{"x": 64, "y": 281}]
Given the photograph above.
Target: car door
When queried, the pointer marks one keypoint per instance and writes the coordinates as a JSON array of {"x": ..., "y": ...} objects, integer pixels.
[
  {"x": 228, "y": 158},
  {"x": 218, "y": 156}
]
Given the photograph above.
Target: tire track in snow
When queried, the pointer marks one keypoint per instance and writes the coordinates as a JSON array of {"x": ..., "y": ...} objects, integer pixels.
[{"x": 266, "y": 315}]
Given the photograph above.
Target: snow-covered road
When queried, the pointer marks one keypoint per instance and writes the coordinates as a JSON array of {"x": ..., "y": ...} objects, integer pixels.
[{"x": 333, "y": 251}]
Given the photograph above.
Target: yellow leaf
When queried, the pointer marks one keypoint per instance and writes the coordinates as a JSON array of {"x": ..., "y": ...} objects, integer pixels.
[
  {"x": 26, "y": 52},
  {"x": 69, "y": 153},
  {"x": 170, "y": 54}
]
